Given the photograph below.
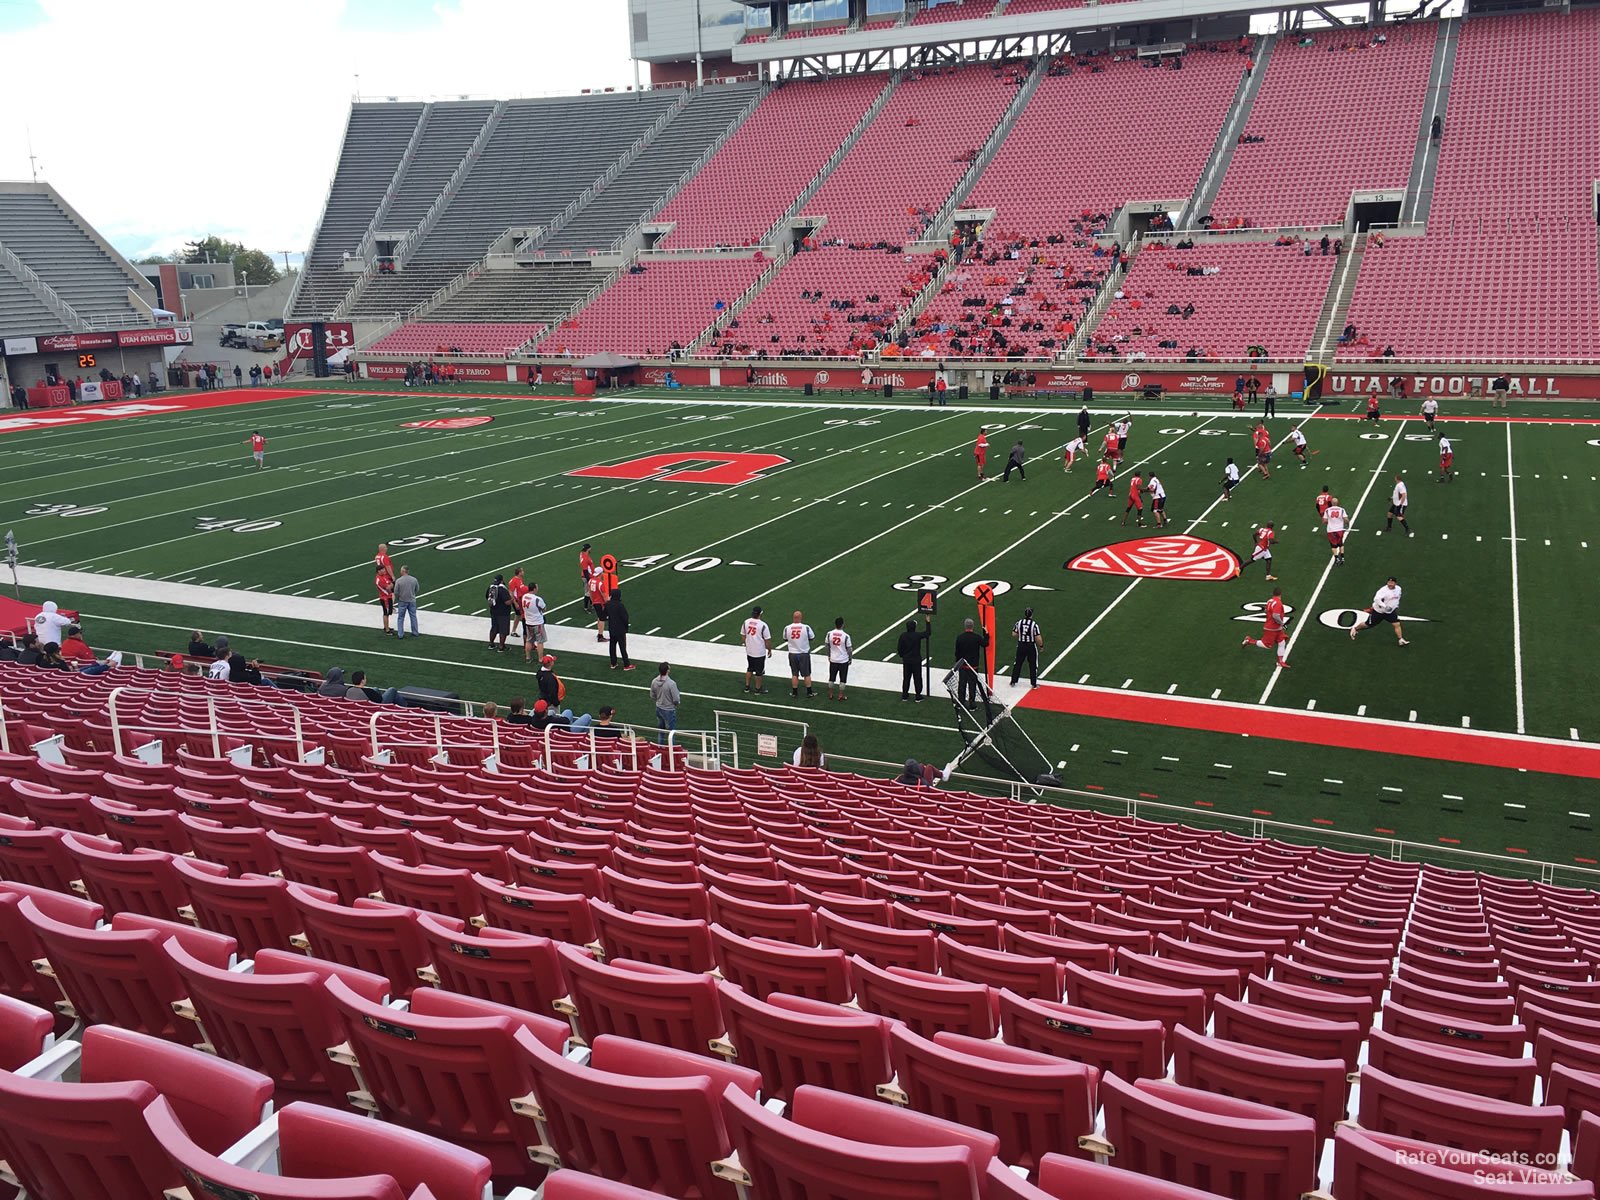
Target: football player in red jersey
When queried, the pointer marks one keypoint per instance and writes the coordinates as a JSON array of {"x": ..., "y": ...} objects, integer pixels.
[
  {"x": 1324, "y": 498},
  {"x": 1102, "y": 478},
  {"x": 1135, "y": 498},
  {"x": 1265, "y": 536},
  {"x": 1263, "y": 441},
  {"x": 381, "y": 560},
  {"x": 980, "y": 451},
  {"x": 385, "y": 584},
  {"x": 1275, "y": 629},
  {"x": 1111, "y": 451}
]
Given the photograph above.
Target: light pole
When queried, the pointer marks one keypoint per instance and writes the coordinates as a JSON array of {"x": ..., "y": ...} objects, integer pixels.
[{"x": 245, "y": 275}]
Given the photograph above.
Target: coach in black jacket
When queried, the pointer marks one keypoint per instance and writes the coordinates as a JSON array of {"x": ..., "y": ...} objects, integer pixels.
[
  {"x": 910, "y": 651},
  {"x": 970, "y": 644}
]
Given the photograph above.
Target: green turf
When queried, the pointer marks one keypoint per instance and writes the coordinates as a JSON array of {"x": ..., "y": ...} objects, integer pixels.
[{"x": 877, "y": 492}]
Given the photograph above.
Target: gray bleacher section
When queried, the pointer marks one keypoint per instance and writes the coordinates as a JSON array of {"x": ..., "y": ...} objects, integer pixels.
[
  {"x": 543, "y": 292},
  {"x": 636, "y": 190},
  {"x": 445, "y": 140},
  {"x": 21, "y": 312},
  {"x": 67, "y": 256},
  {"x": 374, "y": 142},
  {"x": 541, "y": 156}
]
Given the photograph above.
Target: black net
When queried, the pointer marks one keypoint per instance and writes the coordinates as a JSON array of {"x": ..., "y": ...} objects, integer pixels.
[{"x": 990, "y": 734}]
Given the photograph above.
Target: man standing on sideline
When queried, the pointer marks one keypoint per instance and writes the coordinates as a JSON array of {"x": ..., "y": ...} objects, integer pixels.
[
  {"x": 1030, "y": 640},
  {"x": 518, "y": 588},
  {"x": 585, "y": 569},
  {"x": 238, "y": 375},
  {"x": 1385, "y": 607},
  {"x": 1270, "y": 401},
  {"x": 1397, "y": 506},
  {"x": 910, "y": 651},
  {"x": 757, "y": 644},
  {"x": 1014, "y": 463},
  {"x": 665, "y": 696},
  {"x": 1274, "y": 629},
  {"x": 385, "y": 584},
  {"x": 1084, "y": 420},
  {"x": 969, "y": 663},
  {"x": 798, "y": 635},
  {"x": 596, "y": 602},
  {"x": 381, "y": 559},
  {"x": 258, "y": 449},
  {"x": 532, "y": 624},
  {"x": 617, "y": 627},
  {"x": 405, "y": 601},
  {"x": 498, "y": 598},
  {"x": 840, "y": 651}
]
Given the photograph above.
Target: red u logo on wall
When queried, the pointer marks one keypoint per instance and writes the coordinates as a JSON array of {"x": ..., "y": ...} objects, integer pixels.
[{"x": 688, "y": 467}]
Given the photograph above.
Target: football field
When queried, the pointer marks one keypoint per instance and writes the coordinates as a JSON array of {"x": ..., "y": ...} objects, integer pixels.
[{"x": 715, "y": 502}]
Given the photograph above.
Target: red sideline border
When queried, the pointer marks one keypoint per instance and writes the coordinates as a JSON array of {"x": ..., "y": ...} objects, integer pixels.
[
  {"x": 1454, "y": 419},
  {"x": 1580, "y": 760},
  {"x": 148, "y": 406}
]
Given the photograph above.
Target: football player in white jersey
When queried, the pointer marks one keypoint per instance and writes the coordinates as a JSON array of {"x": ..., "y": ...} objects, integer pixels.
[
  {"x": 1397, "y": 506},
  {"x": 1385, "y": 607},
  {"x": 799, "y": 635},
  {"x": 840, "y": 651}
]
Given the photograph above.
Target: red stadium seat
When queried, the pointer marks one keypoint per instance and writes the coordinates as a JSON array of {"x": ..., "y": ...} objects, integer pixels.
[
  {"x": 277, "y": 1019},
  {"x": 1132, "y": 1048},
  {"x": 839, "y": 1147},
  {"x": 254, "y": 910},
  {"x": 1032, "y": 1102},
  {"x": 1312, "y": 1087},
  {"x": 1369, "y": 1166},
  {"x": 1445, "y": 1117},
  {"x": 1231, "y": 1147},
  {"x": 794, "y": 1042},
  {"x": 88, "y": 1140},
  {"x": 925, "y": 1002},
  {"x": 1290, "y": 1032},
  {"x": 1136, "y": 999},
  {"x": 682, "y": 944},
  {"x": 1063, "y": 1178},
  {"x": 370, "y": 935},
  {"x": 638, "y": 1114},
  {"x": 449, "y": 1067},
  {"x": 25, "y": 1032},
  {"x": 317, "y": 1153},
  {"x": 1026, "y": 975},
  {"x": 642, "y": 1001},
  {"x": 559, "y": 916},
  {"x": 878, "y": 944},
  {"x": 762, "y": 965},
  {"x": 1493, "y": 1076},
  {"x": 515, "y": 969}
]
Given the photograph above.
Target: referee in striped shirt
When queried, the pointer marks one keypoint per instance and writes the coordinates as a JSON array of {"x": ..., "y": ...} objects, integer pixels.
[{"x": 1030, "y": 639}]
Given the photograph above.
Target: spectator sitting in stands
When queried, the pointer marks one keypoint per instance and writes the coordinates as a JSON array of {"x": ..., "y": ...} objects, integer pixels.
[
  {"x": 50, "y": 657},
  {"x": 1388, "y": 352},
  {"x": 1349, "y": 334},
  {"x": 198, "y": 647},
  {"x": 519, "y": 715},
  {"x": 28, "y": 650},
  {"x": 357, "y": 689},
  {"x": 218, "y": 670},
  {"x": 333, "y": 683},
  {"x": 114, "y": 659},
  {"x": 491, "y": 710}
]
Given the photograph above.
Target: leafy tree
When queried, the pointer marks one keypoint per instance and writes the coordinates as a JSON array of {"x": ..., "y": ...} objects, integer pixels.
[
  {"x": 210, "y": 249},
  {"x": 257, "y": 264}
]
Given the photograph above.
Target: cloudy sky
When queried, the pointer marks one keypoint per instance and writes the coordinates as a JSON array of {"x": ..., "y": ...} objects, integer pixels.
[{"x": 232, "y": 112}]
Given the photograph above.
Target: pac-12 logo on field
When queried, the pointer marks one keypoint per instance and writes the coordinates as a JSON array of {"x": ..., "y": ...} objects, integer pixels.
[
  {"x": 1176, "y": 557},
  {"x": 447, "y": 423},
  {"x": 688, "y": 466}
]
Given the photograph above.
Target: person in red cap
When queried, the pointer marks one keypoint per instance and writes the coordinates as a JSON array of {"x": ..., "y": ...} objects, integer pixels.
[
  {"x": 550, "y": 686},
  {"x": 175, "y": 664}
]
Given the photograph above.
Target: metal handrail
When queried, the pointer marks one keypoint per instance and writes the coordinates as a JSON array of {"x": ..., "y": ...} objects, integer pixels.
[{"x": 35, "y": 283}]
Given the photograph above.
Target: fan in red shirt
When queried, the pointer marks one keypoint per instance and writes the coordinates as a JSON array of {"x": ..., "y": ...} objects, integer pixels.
[
  {"x": 518, "y": 587},
  {"x": 1275, "y": 629},
  {"x": 1323, "y": 500},
  {"x": 1102, "y": 478},
  {"x": 981, "y": 452},
  {"x": 385, "y": 584},
  {"x": 1373, "y": 413},
  {"x": 381, "y": 560},
  {"x": 258, "y": 450},
  {"x": 1135, "y": 499},
  {"x": 1265, "y": 536}
]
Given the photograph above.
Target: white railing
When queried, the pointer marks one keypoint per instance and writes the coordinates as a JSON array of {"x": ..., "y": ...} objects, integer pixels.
[
  {"x": 727, "y": 317},
  {"x": 46, "y": 295},
  {"x": 699, "y": 164},
  {"x": 120, "y": 725},
  {"x": 381, "y": 213}
]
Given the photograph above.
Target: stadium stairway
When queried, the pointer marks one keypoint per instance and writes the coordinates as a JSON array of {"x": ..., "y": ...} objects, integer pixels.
[
  {"x": 1425, "y": 163},
  {"x": 1102, "y": 299},
  {"x": 1341, "y": 290},
  {"x": 1205, "y": 193}
]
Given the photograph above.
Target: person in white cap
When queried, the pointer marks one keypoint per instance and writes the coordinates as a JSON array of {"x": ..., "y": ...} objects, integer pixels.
[{"x": 51, "y": 626}]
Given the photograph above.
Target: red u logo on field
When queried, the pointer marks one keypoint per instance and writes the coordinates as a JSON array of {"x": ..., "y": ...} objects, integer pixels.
[{"x": 688, "y": 467}]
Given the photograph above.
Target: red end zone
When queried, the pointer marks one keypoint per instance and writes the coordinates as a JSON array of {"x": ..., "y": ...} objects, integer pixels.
[
  {"x": 1578, "y": 759},
  {"x": 59, "y": 418}
]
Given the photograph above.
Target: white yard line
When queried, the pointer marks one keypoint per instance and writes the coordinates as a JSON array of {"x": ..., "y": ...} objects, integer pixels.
[
  {"x": 1350, "y": 526},
  {"x": 977, "y": 573},
  {"x": 1127, "y": 591},
  {"x": 1516, "y": 596}
]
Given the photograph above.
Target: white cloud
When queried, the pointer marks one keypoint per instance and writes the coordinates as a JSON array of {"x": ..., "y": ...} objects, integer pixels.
[{"x": 198, "y": 118}]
